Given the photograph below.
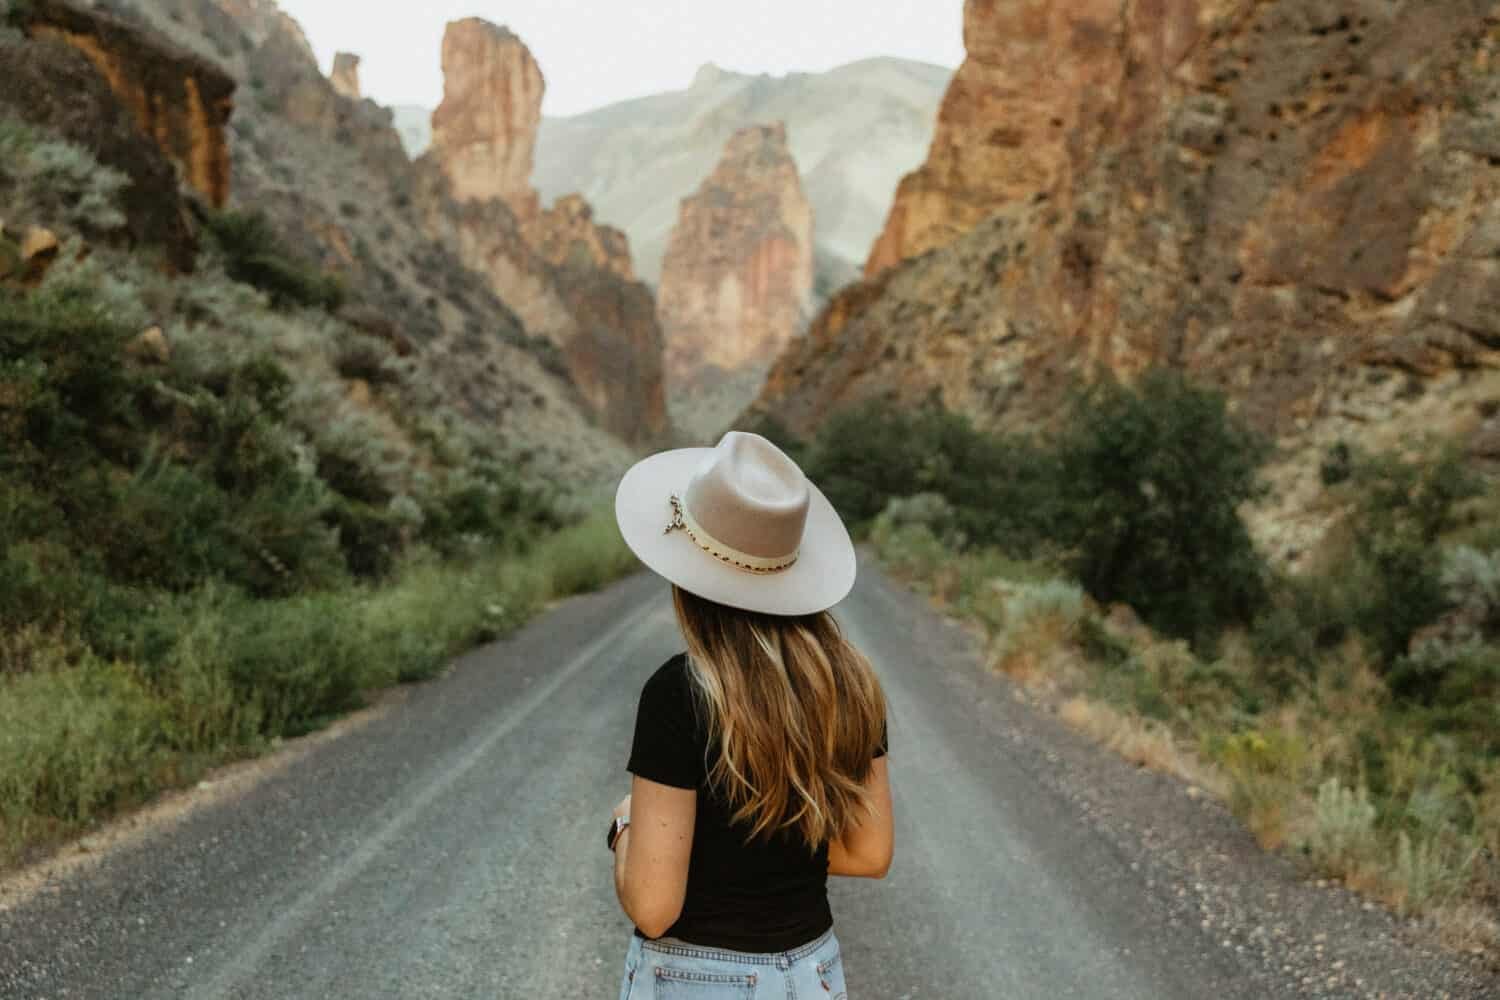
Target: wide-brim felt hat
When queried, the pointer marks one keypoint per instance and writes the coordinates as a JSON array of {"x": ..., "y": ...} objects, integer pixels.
[{"x": 738, "y": 524}]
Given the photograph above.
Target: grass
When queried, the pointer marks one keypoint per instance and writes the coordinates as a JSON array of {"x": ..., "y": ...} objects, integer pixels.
[{"x": 82, "y": 739}]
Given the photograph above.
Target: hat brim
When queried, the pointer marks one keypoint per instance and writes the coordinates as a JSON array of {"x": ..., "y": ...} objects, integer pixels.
[{"x": 821, "y": 577}]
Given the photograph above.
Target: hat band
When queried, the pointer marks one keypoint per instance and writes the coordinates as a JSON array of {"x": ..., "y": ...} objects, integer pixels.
[{"x": 683, "y": 520}]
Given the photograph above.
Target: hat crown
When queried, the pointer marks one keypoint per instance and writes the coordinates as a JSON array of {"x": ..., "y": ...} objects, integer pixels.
[{"x": 750, "y": 496}]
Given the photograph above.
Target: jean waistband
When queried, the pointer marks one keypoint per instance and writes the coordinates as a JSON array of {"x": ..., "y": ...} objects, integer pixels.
[{"x": 685, "y": 949}]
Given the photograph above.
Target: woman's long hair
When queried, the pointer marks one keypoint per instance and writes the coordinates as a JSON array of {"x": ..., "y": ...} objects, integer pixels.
[{"x": 795, "y": 711}]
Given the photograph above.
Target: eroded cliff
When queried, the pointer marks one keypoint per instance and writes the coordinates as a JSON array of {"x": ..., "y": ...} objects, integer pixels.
[
  {"x": 1033, "y": 93},
  {"x": 484, "y": 132},
  {"x": 183, "y": 103}
]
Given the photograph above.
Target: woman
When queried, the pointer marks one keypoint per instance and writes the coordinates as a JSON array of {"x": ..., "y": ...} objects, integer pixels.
[{"x": 758, "y": 760}]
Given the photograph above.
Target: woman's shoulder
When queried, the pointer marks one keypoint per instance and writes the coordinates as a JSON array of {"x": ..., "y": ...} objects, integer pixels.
[
  {"x": 670, "y": 683},
  {"x": 670, "y": 695}
]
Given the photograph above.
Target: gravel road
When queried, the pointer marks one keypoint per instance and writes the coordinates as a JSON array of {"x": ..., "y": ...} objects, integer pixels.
[{"x": 453, "y": 847}]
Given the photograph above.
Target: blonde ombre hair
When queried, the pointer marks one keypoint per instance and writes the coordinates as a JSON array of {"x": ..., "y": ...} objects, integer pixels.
[{"x": 795, "y": 711}]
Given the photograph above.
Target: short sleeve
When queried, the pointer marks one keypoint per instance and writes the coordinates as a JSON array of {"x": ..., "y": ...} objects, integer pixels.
[{"x": 668, "y": 747}]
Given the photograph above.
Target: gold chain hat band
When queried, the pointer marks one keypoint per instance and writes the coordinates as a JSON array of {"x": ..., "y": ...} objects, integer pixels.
[{"x": 728, "y": 554}]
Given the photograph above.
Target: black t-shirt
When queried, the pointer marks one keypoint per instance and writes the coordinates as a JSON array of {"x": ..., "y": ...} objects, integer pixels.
[{"x": 768, "y": 895}]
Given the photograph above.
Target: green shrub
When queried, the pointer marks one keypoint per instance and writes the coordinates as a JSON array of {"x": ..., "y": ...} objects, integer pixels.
[
  {"x": 490, "y": 503},
  {"x": 1002, "y": 489},
  {"x": 931, "y": 511},
  {"x": 1394, "y": 581},
  {"x": 1337, "y": 465},
  {"x": 75, "y": 742},
  {"x": 64, "y": 388},
  {"x": 1471, "y": 583},
  {"x": 1100, "y": 645},
  {"x": 1431, "y": 870},
  {"x": 912, "y": 550},
  {"x": 253, "y": 254},
  {"x": 205, "y": 713},
  {"x": 48, "y": 179},
  {"x": 1343, "y": 829},
  {"x": 371, "y": 538},
  {"x": 171, "y": 530},
  {"x": 1453, "y": 688},
  {"x": 1153, "y": 478},
  {"x": 298, "y": 660},
  {"x": 866, "y": 456},
  {"x": 585, "y": 557}
]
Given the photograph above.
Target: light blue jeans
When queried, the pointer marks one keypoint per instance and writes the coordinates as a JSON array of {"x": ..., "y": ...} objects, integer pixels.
[{"x": 668, "y": 969}]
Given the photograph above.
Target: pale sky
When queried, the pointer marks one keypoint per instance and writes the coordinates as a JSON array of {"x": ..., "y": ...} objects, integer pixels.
[{"x": 596, "y": 52}]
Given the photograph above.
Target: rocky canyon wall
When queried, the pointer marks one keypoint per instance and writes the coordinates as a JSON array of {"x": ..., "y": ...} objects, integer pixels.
[
  {"x": 737, "y": 279},
  {"x": 1033, "y": 94},
  {"x": 183, "y": 103},
  {"x": 568, "y": 279},
  {"x": 1296, "y": 201}
]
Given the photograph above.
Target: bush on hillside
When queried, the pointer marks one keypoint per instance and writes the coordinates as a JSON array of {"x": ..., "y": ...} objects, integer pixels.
[
  {"x": 1393, "y": 581},
  {"x": 1153, "y": 477},
  {"x": 489, "y": 502},
  {"x": 254, "y": 255},
  {"x": 1002, "y": 489},
  {"x": 50, "y": 180},
  {"x": 66, "y": 392}
]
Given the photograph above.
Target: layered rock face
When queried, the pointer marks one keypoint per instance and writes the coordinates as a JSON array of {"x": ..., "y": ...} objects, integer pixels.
[
  {"x": 1034, "y": 89},
  {"x": 567, "y": 278},
  {"x": 345, "y": 75},
  {"x": 738, "y": 274},
  {"x": 57, "y": 80},
  {"x": 567, "y": 234},
  {"x": 1294, "y": 201},
  {"x": 181, "y": 102},
  {"x": 484, "y": 132}
]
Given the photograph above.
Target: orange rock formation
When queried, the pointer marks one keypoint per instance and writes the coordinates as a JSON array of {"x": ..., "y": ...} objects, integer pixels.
[
  {"x": 345, "y": 75},
  {"x": 566, "y": 233},
  {"x": 484, "y": 132},
  {"x": 180, "y": 101},
  {"x": 738, "y": 275},
  {"x": 1034, "y": 93}
]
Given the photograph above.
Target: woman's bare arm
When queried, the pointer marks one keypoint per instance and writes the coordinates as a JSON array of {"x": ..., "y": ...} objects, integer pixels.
[
  {"x": 865, "y": 850},
  {"x": 651, "y": 856}
]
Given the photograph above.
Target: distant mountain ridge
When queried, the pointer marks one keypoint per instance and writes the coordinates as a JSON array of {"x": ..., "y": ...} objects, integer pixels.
[{"x": 854, "y": 132}]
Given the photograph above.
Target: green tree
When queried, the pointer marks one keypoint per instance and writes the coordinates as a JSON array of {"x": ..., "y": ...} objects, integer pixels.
[
  {"x": 1153, "y": 477},
  {"x": 1403, "y": 509}
]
